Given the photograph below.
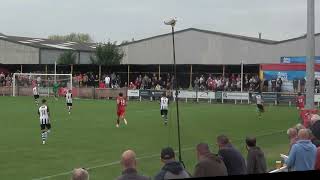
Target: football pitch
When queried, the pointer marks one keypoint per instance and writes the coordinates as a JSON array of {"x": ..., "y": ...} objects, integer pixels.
[{"x": 88, "y": 137}]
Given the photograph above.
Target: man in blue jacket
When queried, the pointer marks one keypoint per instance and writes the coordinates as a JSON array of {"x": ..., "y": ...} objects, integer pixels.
[{"x": 302, "y": 155}]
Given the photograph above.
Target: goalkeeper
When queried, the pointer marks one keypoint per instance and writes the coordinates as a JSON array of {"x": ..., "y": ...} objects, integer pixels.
[{"x": 55, "y": 89}]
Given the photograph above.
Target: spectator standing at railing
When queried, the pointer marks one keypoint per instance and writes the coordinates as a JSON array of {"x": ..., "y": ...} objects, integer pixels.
[
  {"x": 302, "y": 155},
  {"x": 210, "y": 84},
  {"x": 256, "y": 162},
  {"x": 295, "y": 84},
  {"x": 132, "y": 86},
  {"x": 113, "y": 79},
  {"x": 246, "y": 82},
  {"x": 317, "y": 165},
  {"x": 232, "y": 157},
  {"x": 315, "y": 126},
  {"x": 136, "y": 83},
  {"x": 273, "y": 85},
  {"x": 316, "y": 85},
  {"x": 96, "y": 80},
  {"x": 293, "y": 136},
  {"x": 196, "y": 84},
  {"x": 302, "y": 84},
  {"x": 209, "y": 164},
  {"x": 102, "y": 84},
  {"x": 202, "y": 80},
  {"x": 107, "y": 81},
  {"x": 279, "y": 85},
  {"x": 2, "y": 78},
  {"x": 85, "y": 80}
]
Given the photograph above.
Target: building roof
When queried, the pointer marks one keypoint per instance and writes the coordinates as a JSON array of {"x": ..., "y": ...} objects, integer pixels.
[
  {"x": 50, "y": 44},
  {"x": 68, "y": 45},
  {"x": 245, "y": 38}
]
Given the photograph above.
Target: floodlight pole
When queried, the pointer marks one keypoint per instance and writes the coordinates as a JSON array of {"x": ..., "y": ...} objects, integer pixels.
[
  {"x": 55, "y": 71},
  {"x": 310, "y": 56},
  {"x": 241, "y": 76},
  {"x": 176, "y": 88}
]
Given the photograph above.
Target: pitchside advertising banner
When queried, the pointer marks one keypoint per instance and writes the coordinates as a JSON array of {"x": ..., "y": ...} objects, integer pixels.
[
  {"x": 144, "y": 93},
  {"x": 194, "y": 94},
  {"x": 186, "y": 94},
  {"x": 235, "y": 96},
  {"x": 133, "y": 93}
]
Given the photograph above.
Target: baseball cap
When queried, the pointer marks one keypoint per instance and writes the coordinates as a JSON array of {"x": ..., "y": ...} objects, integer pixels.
[{"x": 167, "y": 153}]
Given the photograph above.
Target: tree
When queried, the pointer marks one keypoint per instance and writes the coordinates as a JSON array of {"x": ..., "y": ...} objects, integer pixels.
[
  {"x": 75, "y": 37},
  {"x": 68, "y": 57},
  {"x": 107, "y": 54}
]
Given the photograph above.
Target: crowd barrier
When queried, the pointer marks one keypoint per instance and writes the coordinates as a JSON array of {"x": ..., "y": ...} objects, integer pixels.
[{"x": 183, "y": 95}]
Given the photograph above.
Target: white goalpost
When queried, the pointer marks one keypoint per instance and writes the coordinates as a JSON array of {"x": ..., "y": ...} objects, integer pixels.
[{"x": 22, "y": 83}]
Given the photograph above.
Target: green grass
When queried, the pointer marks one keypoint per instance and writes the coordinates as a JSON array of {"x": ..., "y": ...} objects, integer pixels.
[{"x": 89, "y": 138}]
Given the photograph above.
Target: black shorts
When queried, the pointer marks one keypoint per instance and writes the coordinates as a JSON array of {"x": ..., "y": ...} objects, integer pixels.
[
  {"x": 45, "y": 126},
  {"x": 36, "y": 96},
  {"x": 164, "y": 112},
  {"x": 69, "y": 104},
  {"x": 260, "y": 107}
]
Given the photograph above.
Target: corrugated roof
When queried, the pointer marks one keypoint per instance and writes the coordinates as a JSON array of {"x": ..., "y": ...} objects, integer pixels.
[
  {"x": 245, "y": 38},
  {"x": 50, "y": 44},
  {"x": 63, "y": 45}
]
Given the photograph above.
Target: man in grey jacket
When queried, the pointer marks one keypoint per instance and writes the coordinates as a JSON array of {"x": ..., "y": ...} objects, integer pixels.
[
  {"x": 172, "y": 169},
  {"x": 209, "y": 164},
  {"x": 256, "y": 162},
  {"x": 129, "y": 164}
]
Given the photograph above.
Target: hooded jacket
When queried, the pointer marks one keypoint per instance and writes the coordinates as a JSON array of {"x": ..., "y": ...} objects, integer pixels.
[
  {"x": 302, "y": 156},
  {"x": 172, "y": 170},
  {"x": 256, "y": 162},
  {"x": 210, "y": 166}
]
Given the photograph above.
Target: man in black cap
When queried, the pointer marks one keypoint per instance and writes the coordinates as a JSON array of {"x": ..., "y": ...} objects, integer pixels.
[{"x": 172, "y": 169}]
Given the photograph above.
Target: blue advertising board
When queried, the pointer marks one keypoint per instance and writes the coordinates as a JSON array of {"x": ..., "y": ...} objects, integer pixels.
[
  {"x": 284, "y": 75},
  {"x": 297, "y": 60}
]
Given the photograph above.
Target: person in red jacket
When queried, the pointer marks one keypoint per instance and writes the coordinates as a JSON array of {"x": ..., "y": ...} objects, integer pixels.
[{"x": 102, "y": 85}]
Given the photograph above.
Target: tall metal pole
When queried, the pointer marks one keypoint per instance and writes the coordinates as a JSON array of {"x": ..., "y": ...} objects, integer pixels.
[
  {"x": 310, "y": 57},
  {"x": 55, "y": 72},
  {"x": 241, "y": 75},
  {"x": 176, "y": 94}
]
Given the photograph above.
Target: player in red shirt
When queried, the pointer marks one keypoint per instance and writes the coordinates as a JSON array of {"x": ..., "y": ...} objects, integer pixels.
[
  {"x": 121, "y": 109},
  {"x": 300, "y": 100}
]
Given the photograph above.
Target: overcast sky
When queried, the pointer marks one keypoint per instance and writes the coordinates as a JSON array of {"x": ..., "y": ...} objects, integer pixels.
[{"x": 118, "y": 20}]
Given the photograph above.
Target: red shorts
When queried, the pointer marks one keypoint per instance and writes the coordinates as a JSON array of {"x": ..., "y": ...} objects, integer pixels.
[{"x": 121, "y": 113}]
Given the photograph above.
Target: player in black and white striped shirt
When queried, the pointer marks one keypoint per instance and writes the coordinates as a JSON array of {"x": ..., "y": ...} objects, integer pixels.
[
  {"x": 69, "y": 100},
  {"x": 164, "y": 105},
  {"x": 36, "y": 94},
  {"x": 44, "y": 117}
]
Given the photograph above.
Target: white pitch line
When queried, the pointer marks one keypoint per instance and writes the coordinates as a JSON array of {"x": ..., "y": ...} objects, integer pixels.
[
  {"x": 142, "y": 157},
  {"x": 105, "y": 165}
]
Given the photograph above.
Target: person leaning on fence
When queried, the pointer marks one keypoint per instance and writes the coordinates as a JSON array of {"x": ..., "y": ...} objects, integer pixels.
[
  {"x": 80, "y": 174},
  {"x": 129, "y": 165},
  {"x": 256, "y": 162},
  {"x": 172, "y": 169},
  {"x": 232, "y": 157},
  {"x": 293, "y": 136},
  {"x": 315, "y": 125},
  {"x": 302, "y": 155},
  {"x": 209, "y": 164}
]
